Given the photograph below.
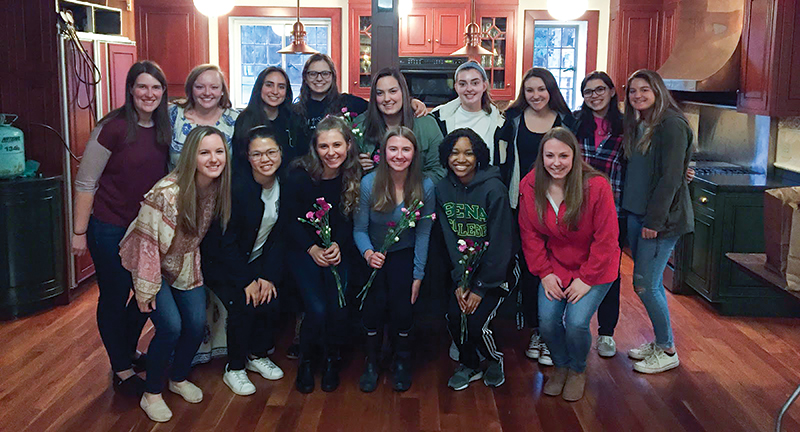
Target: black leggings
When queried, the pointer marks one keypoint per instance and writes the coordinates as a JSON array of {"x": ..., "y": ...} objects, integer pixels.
[
  {"x": 325, "y": 322},
  {"x": 608, "y": 313},
  {"x": 391, "y": 291},
  {"x": 479, "y": 332},
  {"x": 250, "y": 330}
]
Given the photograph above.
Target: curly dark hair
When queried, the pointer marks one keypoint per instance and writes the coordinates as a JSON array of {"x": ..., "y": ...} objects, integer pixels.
[{"x": 479, "y": 147}]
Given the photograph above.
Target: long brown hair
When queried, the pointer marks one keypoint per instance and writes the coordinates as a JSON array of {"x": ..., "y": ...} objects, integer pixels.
[
  {"x": 188, "y": 87},
  {"x": 332, "y": 100},
  {"x": 186, "y": 170},
  {"x": 350, "y": 168},
  {"x": 575, "y": 184},
  {"x": 128, "y": 110},
  {"x": 383, "y": 188},
  {"x": 375, "y": 125},
  {"x": 556, "y": 103},
  {"x": 664, "y": 102}
]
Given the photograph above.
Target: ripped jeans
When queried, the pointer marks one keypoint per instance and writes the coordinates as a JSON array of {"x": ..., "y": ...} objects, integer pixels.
[{"x": 650, "y": 258}]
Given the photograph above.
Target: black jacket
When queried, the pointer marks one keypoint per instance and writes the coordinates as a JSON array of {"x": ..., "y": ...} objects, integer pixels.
[
  {"x": 289, "y": 129},
  {"x": 225, "y": 256},
  {"x": 478, "y": 211},
  {"x": 506, "y": 145}
]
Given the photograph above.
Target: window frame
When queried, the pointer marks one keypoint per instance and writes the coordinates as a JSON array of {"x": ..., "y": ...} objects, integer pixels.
[
  {"x": 235, "y": 25},
  {"x": 334, "y": 14},
  {"x": 591, "y": 19}
]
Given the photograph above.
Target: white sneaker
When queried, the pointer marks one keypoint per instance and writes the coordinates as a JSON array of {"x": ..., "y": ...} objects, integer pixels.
[
  {"x": 157, "y": 411},
  {"x": 534, "y": 347},
  {"x": 544, "y": 355},
  {"x": 657, "y": 362},
  {"x": 606, "y": 346},
  {"x": 238, "y": 382},
  {"x": 265, "y": 367},
  {"x": 188, "y": 391},
  {"x": 642, "y": 351}
]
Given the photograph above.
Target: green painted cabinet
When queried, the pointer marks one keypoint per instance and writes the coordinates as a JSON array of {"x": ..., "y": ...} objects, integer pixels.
[{"x": 730, "y": 218}]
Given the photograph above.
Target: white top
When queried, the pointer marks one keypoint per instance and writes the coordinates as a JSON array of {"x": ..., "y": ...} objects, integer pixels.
[
  {"x": 268, "y": 220},
  {"x": 478, "y": 121},
  {"x": 552, "y": 203}
]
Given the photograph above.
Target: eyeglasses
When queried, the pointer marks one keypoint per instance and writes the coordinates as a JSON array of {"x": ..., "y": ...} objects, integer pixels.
[
  {"x": 312, "y": 75},
  {"x": 271, "y": 154},
  {"x": 599, "y": 91}
]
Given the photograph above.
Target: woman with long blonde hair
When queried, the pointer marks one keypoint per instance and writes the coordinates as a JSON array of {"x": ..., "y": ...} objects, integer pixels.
[
  {"x": 658, "y": 146},
  {"x": 161, "y": 249}
]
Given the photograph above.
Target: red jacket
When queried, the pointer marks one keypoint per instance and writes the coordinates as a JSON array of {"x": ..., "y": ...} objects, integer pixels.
[{"x": 590, "y": 253}]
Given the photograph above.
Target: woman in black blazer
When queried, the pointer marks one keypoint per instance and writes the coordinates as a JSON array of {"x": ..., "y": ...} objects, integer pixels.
[{"x": 243, "y": 265}]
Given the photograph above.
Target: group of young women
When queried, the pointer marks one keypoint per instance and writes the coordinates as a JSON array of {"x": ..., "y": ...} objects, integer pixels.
[{"x": 537, "y": 186}]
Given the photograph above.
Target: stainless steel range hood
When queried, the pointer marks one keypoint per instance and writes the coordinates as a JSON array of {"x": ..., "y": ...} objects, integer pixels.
[{"x": 707, "y": 52}]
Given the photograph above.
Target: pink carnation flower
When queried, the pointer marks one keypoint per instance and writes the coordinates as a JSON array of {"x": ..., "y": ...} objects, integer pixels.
[{"x": 309, "y": 215}]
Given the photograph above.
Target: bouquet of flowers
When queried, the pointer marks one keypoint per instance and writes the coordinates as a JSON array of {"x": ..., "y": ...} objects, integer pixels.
[
  {"x": 471, "y": 253},
  {"x": 319, "y": 220},
  {"x": 358, "y": 132},
  {"x": 408, "y": 220}
]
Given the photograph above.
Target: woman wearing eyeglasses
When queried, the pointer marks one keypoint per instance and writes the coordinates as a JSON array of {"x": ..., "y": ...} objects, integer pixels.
[
  {"x": 244, "y": 263},
  {"x": 599, "y": 132},
  {"x": 319, "y": 94}
]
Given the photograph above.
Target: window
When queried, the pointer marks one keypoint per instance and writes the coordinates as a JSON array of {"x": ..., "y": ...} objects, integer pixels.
[
  {"x": 255, "y": 43},
  {"x": 560, "y": 47}
]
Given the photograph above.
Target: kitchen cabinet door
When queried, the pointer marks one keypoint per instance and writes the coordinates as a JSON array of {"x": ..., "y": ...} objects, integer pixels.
[
  {"x": 700, "y": 246},
  {"x": 120, "y": 59},
  {"x": 498, "y": 30},
  {"x": 634, "y": 42},
  {"x": 770, "y": 72},
  {"x": 416, "y": 32},
  {"x": 448, "y": 29},
  {"x": 360, "y": 50}
]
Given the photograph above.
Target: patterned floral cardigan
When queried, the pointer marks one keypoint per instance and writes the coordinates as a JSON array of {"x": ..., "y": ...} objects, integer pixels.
[{"x": 154, "y": 248}]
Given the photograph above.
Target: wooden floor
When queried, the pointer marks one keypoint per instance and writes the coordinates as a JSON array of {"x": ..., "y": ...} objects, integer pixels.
[{"x": 735, "y": 373}]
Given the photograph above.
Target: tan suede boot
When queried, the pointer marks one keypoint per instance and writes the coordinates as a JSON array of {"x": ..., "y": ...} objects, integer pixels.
[
  {"x": 573, "y": 389},
  {"x": 555, "y": 383}
]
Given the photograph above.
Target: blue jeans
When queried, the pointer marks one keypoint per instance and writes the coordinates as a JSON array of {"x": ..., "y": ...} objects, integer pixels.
[
  {"x": 119, "y": 320},
  {"x": 565, "y": 326},
  {"x": 180, "y": 320},
  {"x": 650, "y": 258}
]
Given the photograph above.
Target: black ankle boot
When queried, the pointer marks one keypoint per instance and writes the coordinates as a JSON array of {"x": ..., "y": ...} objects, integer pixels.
[
  {"x": 305, "y": 375},
  {"x": 330, "y": 372},
  {"x": 369, "y": 379},
  {"x": 402, "y": 364}
]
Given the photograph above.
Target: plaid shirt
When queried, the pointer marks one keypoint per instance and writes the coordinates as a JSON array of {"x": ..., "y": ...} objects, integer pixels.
[{"x": 608, "y": 158}]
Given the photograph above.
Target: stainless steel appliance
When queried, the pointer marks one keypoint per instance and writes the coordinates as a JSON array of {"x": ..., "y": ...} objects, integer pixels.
[{"x": 430, "y": 79}]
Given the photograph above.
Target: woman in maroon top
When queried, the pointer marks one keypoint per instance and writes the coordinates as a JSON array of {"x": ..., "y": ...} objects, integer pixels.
[
  {"x": 126, "y": 155},
  {"x": 567, "y": 222}
]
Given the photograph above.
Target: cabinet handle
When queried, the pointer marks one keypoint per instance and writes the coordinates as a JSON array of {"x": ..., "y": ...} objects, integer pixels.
[
  {"x": 437, "y": 40},
  {"x": 355, "y": 82},
  {"x": 429, "y": 41},
  {"x": 703, "y": 200}
]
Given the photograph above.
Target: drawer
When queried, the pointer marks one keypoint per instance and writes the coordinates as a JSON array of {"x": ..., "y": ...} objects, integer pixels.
[{"x": 702, "y": 198}]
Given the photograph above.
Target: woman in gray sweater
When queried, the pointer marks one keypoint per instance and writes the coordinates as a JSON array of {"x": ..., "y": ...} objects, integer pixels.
[{"x": 658, "y": 145}]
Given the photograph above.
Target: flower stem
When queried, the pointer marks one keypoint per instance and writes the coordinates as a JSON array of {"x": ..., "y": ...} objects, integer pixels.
[{"x": 342, "y": 301}]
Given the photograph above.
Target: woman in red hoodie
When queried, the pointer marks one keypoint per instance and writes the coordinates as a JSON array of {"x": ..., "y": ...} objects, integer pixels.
[{"x": 568, "y": 225}]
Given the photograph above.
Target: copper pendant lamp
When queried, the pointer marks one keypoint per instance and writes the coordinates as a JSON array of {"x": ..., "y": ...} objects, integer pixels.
[
  {"x": 298, "y": 45},
  {"x": 472, "y": 36}
]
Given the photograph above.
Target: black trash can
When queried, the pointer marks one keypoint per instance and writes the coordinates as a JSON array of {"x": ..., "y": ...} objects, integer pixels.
[{"x": 31, "y": 245}]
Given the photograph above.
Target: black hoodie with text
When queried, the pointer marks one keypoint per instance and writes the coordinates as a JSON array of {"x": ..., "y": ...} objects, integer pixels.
[{"x": 479, "y": 211}]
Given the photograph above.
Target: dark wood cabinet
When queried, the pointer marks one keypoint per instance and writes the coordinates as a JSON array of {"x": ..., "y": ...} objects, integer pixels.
[
  {"x": 729, "y": 219},
  {"x": 770, "y": 71}
]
